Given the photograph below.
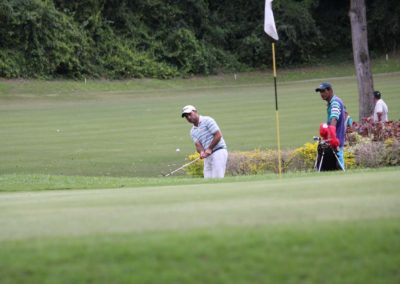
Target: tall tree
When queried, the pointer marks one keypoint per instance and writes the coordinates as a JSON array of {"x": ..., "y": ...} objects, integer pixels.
[{"x": 358, "y": 20}]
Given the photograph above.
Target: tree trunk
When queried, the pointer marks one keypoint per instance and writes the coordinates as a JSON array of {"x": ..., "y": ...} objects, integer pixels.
[{"x": 358, "y": 20}]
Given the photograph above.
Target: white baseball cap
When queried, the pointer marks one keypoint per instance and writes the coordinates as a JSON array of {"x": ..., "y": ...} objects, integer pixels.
[{"x": 188, "y": 109}]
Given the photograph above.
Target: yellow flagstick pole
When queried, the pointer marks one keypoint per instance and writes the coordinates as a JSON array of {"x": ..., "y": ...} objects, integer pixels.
[{"x": 278, "y": 139}]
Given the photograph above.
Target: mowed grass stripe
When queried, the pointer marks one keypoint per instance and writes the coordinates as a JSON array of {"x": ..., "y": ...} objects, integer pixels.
[
  {"x": 148, "y": 127},
  {"x": 308, "y": 199}
]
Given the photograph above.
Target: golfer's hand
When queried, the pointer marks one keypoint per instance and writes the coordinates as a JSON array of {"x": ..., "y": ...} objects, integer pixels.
[{"x": 205, "y": 153}]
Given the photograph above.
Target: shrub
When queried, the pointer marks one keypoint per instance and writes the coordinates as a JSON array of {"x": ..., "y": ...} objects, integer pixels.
[
  {"x": 367, "y": 153},
  {"x": 352, "y": 138},
  {"x": 370, "y": 154},
  {"x": 255, "y": 162},
  {"x": 349, "y": 158},
  {"x": 44, "y": 41},
  {"x": 392, "y": 156},
  {"x": 303, "y": 158},
  {"x": 10, "y": 63},
  {"x": 376, "y": 131},
  {"x": 183, "y": 50},
  {"x": 375, "y": 144},
  {"x": 195, "y": 169},
  {"x": 244, "y": 163},
  {"x": 124, "y": 62},
  {"x": 120, "y": 59}
]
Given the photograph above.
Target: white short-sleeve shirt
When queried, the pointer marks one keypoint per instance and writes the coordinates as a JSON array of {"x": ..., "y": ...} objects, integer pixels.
[
  {"x": 381, "y": 106},
  {"x": 204, "y": 132}
]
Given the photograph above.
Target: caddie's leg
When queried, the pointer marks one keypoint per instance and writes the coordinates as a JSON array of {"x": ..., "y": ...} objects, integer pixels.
[
  {"x": 219, "y": 160},
  {"x": 340, "y": 155}
]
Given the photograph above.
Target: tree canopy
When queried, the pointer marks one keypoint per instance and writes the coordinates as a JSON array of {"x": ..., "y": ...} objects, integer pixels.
[{"x": 166, "y": 38}]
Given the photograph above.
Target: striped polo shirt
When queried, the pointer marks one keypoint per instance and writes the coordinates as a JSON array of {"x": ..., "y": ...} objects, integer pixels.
[
  {"x": 204, "y": 132},
  {"x": 335, "y": 109}
]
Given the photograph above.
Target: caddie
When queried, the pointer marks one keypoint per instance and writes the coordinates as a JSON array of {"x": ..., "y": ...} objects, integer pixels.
[
  {"x": 209, "y": 142},
  {"x": 335, "y": 120}
]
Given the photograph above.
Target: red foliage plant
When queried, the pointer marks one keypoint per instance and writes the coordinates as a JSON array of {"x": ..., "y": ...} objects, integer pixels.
[{"x": 376, "y": 131}]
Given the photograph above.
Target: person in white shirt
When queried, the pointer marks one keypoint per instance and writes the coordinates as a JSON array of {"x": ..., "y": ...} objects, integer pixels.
[
  {"x": 381, "y": 109},
  {"x": 209, "y": 142}
]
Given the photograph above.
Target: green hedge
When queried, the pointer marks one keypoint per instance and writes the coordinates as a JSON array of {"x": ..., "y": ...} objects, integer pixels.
[
  {"x": 363, "y": 154},
  {"x": 164, "y": 39}
]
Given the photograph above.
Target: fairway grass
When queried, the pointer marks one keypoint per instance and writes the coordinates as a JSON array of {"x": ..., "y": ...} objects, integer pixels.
[
  {"x": 327, "y": 228},
  {"x": 133, "y": 128}
]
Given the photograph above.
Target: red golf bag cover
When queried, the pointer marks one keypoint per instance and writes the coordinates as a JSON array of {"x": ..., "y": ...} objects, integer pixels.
[
  {"x": 323, "y": 131},
  {"x": 328, "y": 132},
  {"x": 333, "y": 141}
]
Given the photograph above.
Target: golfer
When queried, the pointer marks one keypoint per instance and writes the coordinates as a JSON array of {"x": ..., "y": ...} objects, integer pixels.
[
  {"x": 335, "y": 119},
  {"x": 210, "y": 144},
  {"x": 381, "y": 109}
]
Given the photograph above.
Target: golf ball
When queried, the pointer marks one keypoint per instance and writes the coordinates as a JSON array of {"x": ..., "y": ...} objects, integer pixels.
[{"x": 177, "y": 149}]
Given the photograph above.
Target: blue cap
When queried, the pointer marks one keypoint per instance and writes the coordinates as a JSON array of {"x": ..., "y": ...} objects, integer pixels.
[{"x": 323, "y": 87}]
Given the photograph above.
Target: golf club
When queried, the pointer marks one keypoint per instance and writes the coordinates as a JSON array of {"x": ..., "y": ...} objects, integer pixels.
[{"x": 184, "y": 166}]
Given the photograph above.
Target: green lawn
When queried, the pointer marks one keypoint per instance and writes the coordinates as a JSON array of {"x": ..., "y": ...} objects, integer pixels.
[
  {"x": 133, "y": 128},
  {"x": 329, "y": 228},
  {"x": 132, "y": 226}
]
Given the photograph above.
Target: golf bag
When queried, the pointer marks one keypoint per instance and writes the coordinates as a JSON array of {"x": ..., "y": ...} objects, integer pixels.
[{"x": 327, "y": 159}]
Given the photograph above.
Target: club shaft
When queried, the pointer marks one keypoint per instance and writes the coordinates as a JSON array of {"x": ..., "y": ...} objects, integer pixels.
[{"x": 184, "y": 166}]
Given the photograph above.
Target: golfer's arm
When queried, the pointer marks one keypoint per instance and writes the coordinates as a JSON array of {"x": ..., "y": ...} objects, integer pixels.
[
  {"x": 199, "y": 147},
  {"x": 215, "y": 141},
  {"x": 333, "y": 123}
]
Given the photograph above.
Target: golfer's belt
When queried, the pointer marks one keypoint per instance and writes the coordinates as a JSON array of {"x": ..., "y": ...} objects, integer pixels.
[{"x": 220, "y": 148}]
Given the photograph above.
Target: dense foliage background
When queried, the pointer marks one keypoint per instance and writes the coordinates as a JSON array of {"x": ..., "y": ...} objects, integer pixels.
[{"x": 167, "y": 38}]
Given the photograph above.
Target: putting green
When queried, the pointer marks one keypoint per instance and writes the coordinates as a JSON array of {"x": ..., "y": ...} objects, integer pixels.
[
  {"x": 333, "y": 197},
  {"x": 320, "y": 228}
]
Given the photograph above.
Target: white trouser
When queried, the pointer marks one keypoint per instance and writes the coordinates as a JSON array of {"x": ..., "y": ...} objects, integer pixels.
[{"x": 215, "y": 164}]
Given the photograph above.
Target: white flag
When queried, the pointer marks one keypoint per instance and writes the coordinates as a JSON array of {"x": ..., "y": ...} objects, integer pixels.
[{"x": 269, "y": 22}]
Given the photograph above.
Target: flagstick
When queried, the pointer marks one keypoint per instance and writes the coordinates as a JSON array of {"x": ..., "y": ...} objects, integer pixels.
[{"x": 276, "y": 112}]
